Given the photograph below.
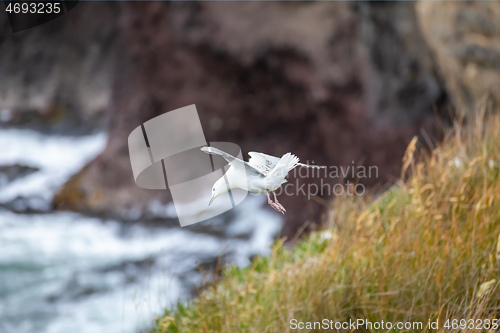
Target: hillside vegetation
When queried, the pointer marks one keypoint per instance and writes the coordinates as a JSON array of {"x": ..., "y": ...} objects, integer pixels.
[{"x": 425, "y": 250}]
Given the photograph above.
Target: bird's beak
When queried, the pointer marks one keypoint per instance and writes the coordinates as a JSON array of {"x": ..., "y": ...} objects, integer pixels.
[{"x": 211, "y": 200}]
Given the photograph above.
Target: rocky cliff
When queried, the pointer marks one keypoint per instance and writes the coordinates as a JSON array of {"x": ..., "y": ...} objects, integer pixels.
[{"x": 336, "y": 83}]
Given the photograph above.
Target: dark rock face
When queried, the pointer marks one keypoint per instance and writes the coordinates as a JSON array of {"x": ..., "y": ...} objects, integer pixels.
[
  {"x": 402, "y": 85},
  {"x": 12, "y": 172},
  {"x": 335, "y": 83},
  {"x": 56, "y": 77},
  {"x": 9, "y": 173}
]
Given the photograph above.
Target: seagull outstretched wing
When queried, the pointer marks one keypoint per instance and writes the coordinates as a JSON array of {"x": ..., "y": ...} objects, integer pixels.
[
  {"x": 232, "y": 160},
  {"x": 311, "y": 166},
  {"x": 286, "y": 163},
  {"x": 263, "y": 162},
  {"x": 266, "y": 163}
]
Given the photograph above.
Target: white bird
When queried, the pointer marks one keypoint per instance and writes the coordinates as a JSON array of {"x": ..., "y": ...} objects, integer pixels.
[{"x": 261, "y": 174}]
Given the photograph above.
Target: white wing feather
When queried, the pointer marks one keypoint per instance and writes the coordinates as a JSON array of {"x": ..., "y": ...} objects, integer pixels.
[
  {"x": 260, "y": 162},
  {"x": 286, "y": 163},
  {"x": 232, "y": 160},
  {"x": 263, "y": 162}
]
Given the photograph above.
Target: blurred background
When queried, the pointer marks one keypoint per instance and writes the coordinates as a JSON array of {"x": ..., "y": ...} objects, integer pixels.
[{"x": 83, "y": 249}]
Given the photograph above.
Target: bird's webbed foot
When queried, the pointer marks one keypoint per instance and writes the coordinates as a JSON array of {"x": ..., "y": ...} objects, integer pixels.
[
  {"x": 275, "y": 204},
  {"x": 278, "y": 207}
]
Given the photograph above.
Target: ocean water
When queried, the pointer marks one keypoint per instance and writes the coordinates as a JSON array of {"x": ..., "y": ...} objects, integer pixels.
[{"x": 67, "y": 272}]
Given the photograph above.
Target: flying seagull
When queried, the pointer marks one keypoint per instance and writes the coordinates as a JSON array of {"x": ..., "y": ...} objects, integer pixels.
[{"x": 261, "y": 174}]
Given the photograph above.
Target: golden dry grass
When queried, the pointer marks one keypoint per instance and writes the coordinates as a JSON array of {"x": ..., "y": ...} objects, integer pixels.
[{"x": 426, "y": 249}]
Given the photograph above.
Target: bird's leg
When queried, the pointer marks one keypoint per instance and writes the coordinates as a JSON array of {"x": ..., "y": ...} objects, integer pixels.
[
  {"x": 269, "y": 201},
  {"x": 277, "y": 207},
  {"x": 277, "y": 203}
]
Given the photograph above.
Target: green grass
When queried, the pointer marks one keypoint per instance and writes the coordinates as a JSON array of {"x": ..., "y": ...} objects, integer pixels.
[{"x": 426, "y": 249}]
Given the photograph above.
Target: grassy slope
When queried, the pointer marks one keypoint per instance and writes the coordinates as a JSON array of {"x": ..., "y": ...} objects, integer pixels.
[{"x": 420, "y": 251}]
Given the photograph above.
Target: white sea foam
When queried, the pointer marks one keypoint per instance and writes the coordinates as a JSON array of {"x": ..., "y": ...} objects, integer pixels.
[
  {"x": 65, "y": 272},
  {"x": 57, "y": 157}
]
